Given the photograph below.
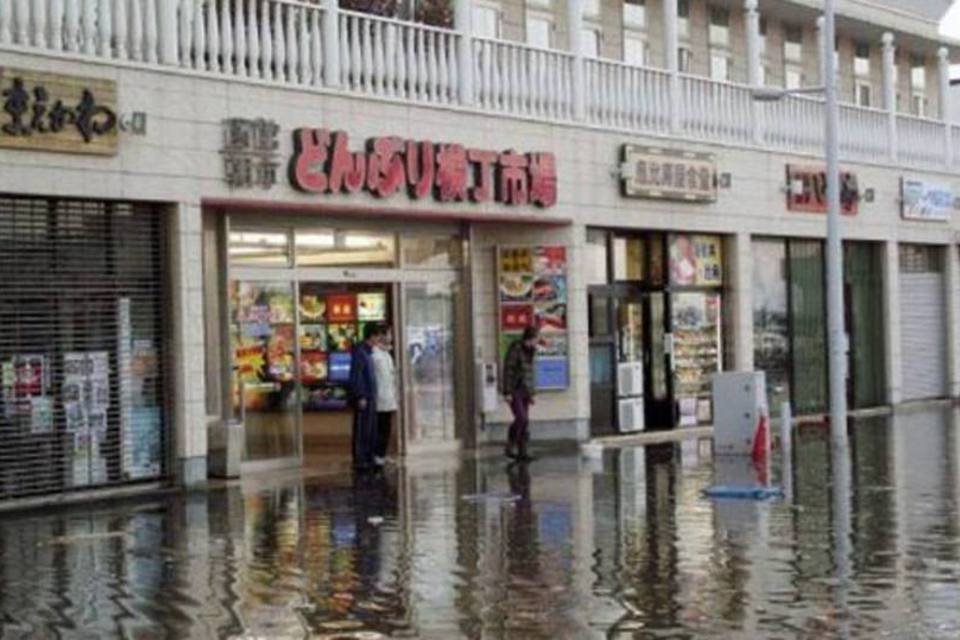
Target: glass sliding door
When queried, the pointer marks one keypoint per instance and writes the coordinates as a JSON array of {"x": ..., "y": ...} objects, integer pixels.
[
  {"x": 771, "y": 326},
  {"x": 263, "y": 347},
  {"x": 430, "y": 344},
  {"x": 808, "y": 321},
  {"x": 863, "y": 275}
]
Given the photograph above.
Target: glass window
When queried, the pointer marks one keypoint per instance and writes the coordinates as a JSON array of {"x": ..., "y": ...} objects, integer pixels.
[
  {"x": 917, "y": 258},
  {"x": 793, "y": 44},
  {"x": 683, "y": 18},
  {"x": 861, "y": 61},
  {"x": 635, "y": 13},
  {"x": 486, "y": 21},
  {"x": 634, "y": 50},
  {"x": 590, "y": 44},
  {"x": 771, "y": 338},
  {"x": 720, "y": 66},
  {"x": 335, "y": 248},
  {"x": 863, "y": 93},
  {"x": 539, "y": 31},
  {"x": 432, "y": 251},
  {"x": 808, "y": 322},
  {"x": 918, "y": 73},
  {"x": 793, "y": 78},
  {"x": 919, "y": 105},
  {"x": 629, "y": 259},
  {"x": 685, "y": 59},
  {"x": 260, "y": 248},
  {"x": 719, "y": 31},
  {"x": 763, "y": 36},
  {"x": 595, "y": 257}
]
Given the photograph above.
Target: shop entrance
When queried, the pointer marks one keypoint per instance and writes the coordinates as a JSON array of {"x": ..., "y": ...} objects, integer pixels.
[
  {"x": 655, "y": 302},
  {"x": 293, "y": 329}
]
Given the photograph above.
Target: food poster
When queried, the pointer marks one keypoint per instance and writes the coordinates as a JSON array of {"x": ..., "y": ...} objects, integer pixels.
[
  {"x": 341, "y": 307},
  {"x": 280, "y": 352},
  {"x": 696, "y": 353},
  {"x": 313, "y": 337},
  {"x": 372, "y": 307},
  {"x": 696, "y": 260},
  {"x": 341, "y": 336},
  {"x": 532, "y": 291},
  {"x": 313, "y": 307},
  {"x": 313, "y": 366}
]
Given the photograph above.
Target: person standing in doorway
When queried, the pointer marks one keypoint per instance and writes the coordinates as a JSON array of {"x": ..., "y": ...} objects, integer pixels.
[
  {"x": 386, "y": 374},
  {"x": 363, "y": 394},
  {"x": 519, "y": 389}
]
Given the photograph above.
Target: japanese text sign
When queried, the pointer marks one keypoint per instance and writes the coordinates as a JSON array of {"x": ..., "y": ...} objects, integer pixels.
[
  {"x": 51, "y": 112},
  {"x": 696, "y": 260},
  {"x": 807, "y": 190},
  {"x": 249, "y": 152},
  {"x": 323, "y": 163},
  {"x": 922, "y": 200},
  {"x": 668, "y": 174}
]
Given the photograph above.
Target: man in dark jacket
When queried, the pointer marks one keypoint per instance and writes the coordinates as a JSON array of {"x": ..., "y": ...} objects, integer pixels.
[
  {"x": 519, "y": 388},
  {"x": 363, "y": 394}
]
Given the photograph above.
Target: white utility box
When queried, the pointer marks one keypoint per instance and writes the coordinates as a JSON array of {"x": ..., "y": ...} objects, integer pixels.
[
  {"x": 630, "y": 407},
  {"x": 488, "y": 386},
  {"x": 739, "y": 403}
]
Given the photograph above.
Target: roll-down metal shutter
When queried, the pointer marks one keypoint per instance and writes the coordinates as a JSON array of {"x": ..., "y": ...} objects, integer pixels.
[
  {"x": 82, "y": 345},
  {"x": 923, "y": 326}
]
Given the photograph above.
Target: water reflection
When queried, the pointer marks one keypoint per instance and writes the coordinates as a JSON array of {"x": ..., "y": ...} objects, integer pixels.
[{"x": 561, "y": 548}]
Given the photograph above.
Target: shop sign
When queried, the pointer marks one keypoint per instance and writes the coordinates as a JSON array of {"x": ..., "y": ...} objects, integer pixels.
[
  {"x": 807, "y": 190},
  {"x": 668, "y": 174},
  {"x": 922, "y": 200},
  {"x": 323, "y": 163},
  {"x": 250, "y": 152},
  {"x": 52, "y": 112}
]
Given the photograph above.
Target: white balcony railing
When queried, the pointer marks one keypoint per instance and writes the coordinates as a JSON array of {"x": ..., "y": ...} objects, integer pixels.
[{"x": 296, "y": 42}]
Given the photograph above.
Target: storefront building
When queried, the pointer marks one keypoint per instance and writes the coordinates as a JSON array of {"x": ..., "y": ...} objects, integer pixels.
[{"x": 209, "y": 249}]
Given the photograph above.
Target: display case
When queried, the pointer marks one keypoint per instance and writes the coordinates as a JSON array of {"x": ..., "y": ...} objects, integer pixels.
[{"x": 696, "y": 353}]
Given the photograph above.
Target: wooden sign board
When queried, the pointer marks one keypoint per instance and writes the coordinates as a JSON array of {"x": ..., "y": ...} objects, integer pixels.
[
  {"x": 52, "y": 112},
  {"x": 668, "y": 174}
]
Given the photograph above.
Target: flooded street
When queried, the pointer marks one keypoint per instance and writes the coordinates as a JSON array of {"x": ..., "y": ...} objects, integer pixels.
[{"x": 561, "y": 548}]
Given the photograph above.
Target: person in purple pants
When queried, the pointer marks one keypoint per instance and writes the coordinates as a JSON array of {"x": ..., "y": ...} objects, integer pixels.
[{"x": 519, "y": 389}]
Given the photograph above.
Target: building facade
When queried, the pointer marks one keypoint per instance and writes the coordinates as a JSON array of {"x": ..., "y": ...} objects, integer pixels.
[{"x": 205, "y": 203}]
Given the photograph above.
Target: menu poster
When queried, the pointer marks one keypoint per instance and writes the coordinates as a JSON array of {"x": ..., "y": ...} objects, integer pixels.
[
  {"x": 313, "y": 337},
  {"x": 340, "y": 337},
  {"x": 696, "y": 260},
  {"x": 141, "y": 458},
  {"x": 313, "y": 366},
  {"x": 313, "y": 308},
  {"x": 532, "y": 291},
  {"x": 372, "y": 307},
  {"x": 342, "y": 307}
]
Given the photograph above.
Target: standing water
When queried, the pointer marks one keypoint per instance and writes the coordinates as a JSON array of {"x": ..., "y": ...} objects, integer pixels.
[{"x": 560, "y": 548}]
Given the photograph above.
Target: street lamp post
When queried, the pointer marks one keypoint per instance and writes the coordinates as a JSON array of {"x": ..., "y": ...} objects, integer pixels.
[{"x": 836, "y": 335}]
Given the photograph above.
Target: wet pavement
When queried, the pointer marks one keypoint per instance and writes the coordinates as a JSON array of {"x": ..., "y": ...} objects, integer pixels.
[{"x": 565, "y": 547}]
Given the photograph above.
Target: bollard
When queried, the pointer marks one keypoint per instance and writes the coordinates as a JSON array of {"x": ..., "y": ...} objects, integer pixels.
[{"x": 786, "y": 448}]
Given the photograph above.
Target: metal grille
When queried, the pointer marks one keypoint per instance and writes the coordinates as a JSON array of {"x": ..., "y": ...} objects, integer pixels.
[{"x": 82, "y": 345}]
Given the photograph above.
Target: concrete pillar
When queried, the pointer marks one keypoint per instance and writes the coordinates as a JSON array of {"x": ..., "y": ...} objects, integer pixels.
[
  {"x": 167, "y": 27},
  {"x": 188, "y": 384},
  {"x": 890, "y": 93},
  {"x": 953, "y": 318},
  {"x": 671, "y": 58},
  {"x": 740, "y": 290},
  {"x": 891, "y": 303},
  {"x": 754, "y": 64},
  {"x": 944, "y": 81},
  {"x": 331, "y": 43},
  {"x": 463, "y": 23},
  {"x": 822, "y": 50},
  {"x": 575, "y": 42}
]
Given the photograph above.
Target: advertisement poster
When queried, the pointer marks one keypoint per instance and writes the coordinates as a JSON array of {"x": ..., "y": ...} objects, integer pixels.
[
  {"x": 341, "y": 336},
  {"x": 141, "y": 458},
  {"x": 922, "y": 200},
  {"x": 312, "y": 308},
  {"x": 313, "y": 366},
  {"x": 372, "y": 307},
  {"x": 313, "y": 337},
  {"x": 532, "y": 291},
  {"x": 342, "y": 307},
  {"x": 696, "y": 260}
]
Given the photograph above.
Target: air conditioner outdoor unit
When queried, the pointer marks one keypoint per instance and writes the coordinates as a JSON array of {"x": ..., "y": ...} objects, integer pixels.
[{"x": 630, "y": 415}]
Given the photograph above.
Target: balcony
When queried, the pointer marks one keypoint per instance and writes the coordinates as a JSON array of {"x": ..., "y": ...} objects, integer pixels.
[{"x": 324, "y": 48}]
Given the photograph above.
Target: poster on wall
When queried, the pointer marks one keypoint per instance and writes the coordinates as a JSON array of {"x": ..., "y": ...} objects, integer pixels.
[
  {"x": 532, "y": 290},
  {"x": 922, "y": 200},
  {"x": 696, "y": 260}
]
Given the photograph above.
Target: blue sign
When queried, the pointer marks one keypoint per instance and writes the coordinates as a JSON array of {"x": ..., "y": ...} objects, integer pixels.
[{"x": 552, "y": 373}]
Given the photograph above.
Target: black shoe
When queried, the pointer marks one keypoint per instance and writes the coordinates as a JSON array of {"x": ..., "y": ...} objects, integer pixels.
[
  {"x": 510, "y": 454},
  {"x": 525, "y": 457}
]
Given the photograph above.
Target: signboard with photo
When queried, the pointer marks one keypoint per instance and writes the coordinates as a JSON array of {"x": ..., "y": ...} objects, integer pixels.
[
  {"x": 922, "y": 200},
  {"x": 696, "y": 260},
  {"x": 532, "y": 290}
]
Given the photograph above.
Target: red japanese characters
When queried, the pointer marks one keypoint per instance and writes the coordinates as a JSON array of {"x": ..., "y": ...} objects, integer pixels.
[{"x": 323, "y": 163}]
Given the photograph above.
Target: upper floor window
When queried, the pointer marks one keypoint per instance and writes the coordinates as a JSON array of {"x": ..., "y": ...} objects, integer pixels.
[
  {"x": 793, "y": 77},
  {"x": 486, "y": 21},
  {"x": 861, "y": 60},
  {"x": 539, "y": 30},
  {"x": 590, "y": 42},
  {"x": 918, "y": 86},
  {"x": 683, "y": 18},
  {"x": 793, "y": 44},
  {"x": 763, "y": 36},
  {"x": 635, "y": 50},
  {"x": 685, "y": 59},
  {"x": 720, "y": 66},
  {"x": 635, "y": 14},
  {"x": 719, "y": 32}
]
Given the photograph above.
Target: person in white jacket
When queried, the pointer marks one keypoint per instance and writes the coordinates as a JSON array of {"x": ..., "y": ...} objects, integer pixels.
[{"x": 386, "y": 375}]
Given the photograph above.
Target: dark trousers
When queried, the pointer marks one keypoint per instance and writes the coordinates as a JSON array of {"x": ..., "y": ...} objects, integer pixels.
[
  {"x": 364, "y": 437},
  {"x": 519, "y": 429},
  {"x": 384, "y": 423}
]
